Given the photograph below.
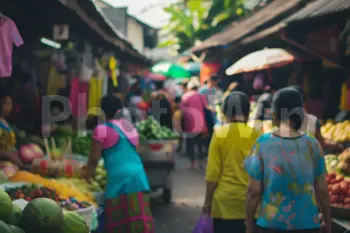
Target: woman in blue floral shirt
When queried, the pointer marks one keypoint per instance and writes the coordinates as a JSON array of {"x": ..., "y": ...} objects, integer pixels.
[{"x": 287, "y": 174}]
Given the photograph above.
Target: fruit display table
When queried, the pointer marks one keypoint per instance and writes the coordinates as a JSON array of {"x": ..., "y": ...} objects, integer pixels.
[
  {"x": 338, "y": 179},
  {"x": 37, "y": 209},
  {"x": 341, "y": 225},
  {"x": 337, "y": 132}
]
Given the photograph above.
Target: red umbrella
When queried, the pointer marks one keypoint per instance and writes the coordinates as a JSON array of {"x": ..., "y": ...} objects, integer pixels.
[{"x": 156, "y": 77}]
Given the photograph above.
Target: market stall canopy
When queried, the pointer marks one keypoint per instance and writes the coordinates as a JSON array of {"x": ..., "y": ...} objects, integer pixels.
[
  {"x": 261, "y": 60},
  {"x": 321, "y": 8},
  {"x": 156, "y": 77},
  {"x": 250, "y": 25},
  {"x": 193, "y": 67},
  {"x": 95, "y": 18},
  {"x": 171, "y": 70}
]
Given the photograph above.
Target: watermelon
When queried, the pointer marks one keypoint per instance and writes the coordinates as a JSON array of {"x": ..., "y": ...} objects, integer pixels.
[
  {"x": 15, "y": 229},
  {"x": 73, "y": 222},
  {"x": 42, "y": 215},
  {"x": 4, "y": 228},
  {"x": 16, "y": 214},
  {"x": 6, "y": 207}
]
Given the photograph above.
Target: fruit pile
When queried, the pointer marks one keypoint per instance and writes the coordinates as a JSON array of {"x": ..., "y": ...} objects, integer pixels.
[
  {"x": 331, "y": 162},
  {"x": 29, "y": 193},
  {"x": 63, "y": 190},
  {"x": 339, "y": 132},
  {"x": 40, "y": 215},
  {"x": 100, "y": 177},
  {"x": 343, "y": 166},
  {"x": 82, "y": 185},
  {"x": 152, "y": 130},
  {"x": 339, "y": 190}
]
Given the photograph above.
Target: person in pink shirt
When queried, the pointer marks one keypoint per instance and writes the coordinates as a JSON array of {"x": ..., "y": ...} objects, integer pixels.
[{"x": 192, "y": 105}]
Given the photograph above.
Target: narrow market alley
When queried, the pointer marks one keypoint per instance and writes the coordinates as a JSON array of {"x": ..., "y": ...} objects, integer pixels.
[{"x": 188, "y": 191}]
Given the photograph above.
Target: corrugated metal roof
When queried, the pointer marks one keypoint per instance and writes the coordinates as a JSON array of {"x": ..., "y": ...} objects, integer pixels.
[
  {"x": 93, "y": 17},
  {"x": 321, "y": 8},
  {"x": 248, "y": 25},
  {"x": 267, "y": 32}
]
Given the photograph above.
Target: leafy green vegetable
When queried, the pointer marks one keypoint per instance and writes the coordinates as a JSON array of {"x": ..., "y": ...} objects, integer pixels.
[{"x": 150, "y": 129}]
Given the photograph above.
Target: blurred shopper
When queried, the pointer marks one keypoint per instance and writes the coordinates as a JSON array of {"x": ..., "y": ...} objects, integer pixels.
[
  {"x": 195, "y": 128},
  {"x": 261, "y": 118},
  {"x": 212, "y": 91},
  {"x": 136, "y": 98},
  {"x": 127, "y": 205},
  {"x": 312, "y": 126},
  {"x": 232, "y": 87},
  {"x": 227, "y": 181},
  {"x": 161, "y": 109},
  {"x": 287, "y": 174}
]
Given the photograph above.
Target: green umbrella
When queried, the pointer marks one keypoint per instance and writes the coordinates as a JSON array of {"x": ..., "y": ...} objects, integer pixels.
[
  {"x": 193, "y": 67},
  {"x": 171, "y": 70}
]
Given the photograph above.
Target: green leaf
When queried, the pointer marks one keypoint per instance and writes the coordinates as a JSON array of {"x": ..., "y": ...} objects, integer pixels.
[
  {"x": 227, "y": 4},
  {"x": 221, "y": 17},
  {"x": 180, "y": 17},
  {"x": 168, "y": 43},
  {"x": 194, "y": 5}
]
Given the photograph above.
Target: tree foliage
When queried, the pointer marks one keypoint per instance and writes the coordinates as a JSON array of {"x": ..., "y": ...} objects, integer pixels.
[{"x": 193, "y": 21}]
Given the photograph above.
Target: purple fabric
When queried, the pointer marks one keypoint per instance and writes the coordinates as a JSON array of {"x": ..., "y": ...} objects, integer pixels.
[
  {"x": 258, "y": 83},
  {"x": 204, "y": 225}
]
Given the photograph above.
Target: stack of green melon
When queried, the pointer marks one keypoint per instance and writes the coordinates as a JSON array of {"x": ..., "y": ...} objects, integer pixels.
[{"x": 42, "y": 215}]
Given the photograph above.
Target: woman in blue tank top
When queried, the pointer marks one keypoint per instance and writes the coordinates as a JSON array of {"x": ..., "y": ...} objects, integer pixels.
[{"x": 127, "y": 207}]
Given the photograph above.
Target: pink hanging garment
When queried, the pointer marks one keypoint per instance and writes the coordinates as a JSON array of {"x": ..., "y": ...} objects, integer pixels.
[
  {"x": 82, "y": 99},
  {"x": 74, "y": 90},
  {"x": 9, "y": 36},
  {"x": 78, "y": 97}
]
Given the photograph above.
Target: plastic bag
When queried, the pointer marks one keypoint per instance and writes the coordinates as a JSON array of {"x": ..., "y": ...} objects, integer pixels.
[{"x": 204, "y": 225}]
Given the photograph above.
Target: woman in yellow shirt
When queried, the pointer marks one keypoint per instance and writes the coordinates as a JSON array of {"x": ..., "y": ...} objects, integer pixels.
[{"x": 227, "y": 181}]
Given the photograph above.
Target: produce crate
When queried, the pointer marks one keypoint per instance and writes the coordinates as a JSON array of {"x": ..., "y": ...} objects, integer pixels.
[
  {"x": 162, "y": 147},
  {"x": 57, "y": 168},
  {"x": 340, "y": 213},
  {"x": 87, "y": 214}
]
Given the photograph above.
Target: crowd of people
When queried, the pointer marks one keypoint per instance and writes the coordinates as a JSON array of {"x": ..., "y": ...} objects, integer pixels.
[{"x": 255, "y": 181}]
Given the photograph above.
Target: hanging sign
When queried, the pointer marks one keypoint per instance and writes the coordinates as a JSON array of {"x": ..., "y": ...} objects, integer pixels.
[
  {"x": 344, "y": 39},
  {"x": 60, "y": 32}
]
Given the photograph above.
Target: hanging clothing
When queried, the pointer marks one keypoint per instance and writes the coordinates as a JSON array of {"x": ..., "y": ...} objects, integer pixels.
[
  {"x": 95, "y": 95},
  {"x": 85, "y": 73},
  {"x": 55, "y": 82},
  {"x": 104, "y": 85},
  {"x": 78, "y": 97},
  {"x": 9, "y": 35},
  {"x": 112, "y": 65},
  {"x": 345, "y": 98}
]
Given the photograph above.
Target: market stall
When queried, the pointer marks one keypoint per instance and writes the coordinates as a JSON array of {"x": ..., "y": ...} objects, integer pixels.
[{"x": 338, "y": 167}]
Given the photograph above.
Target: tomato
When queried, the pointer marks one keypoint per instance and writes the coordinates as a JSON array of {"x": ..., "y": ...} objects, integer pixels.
[
  {"x": 347, "y": 200},
  {"x": 334, "y": 198},
  {"x": 336, "y": 189}
]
